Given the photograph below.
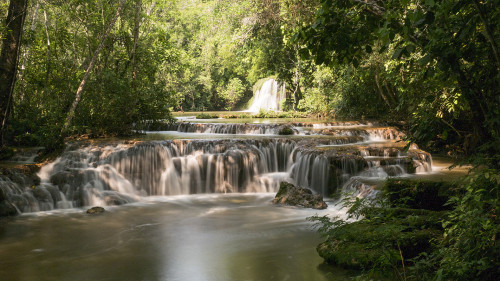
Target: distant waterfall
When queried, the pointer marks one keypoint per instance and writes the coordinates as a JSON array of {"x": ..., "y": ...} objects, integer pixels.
[{"x": 268, "y": 97}]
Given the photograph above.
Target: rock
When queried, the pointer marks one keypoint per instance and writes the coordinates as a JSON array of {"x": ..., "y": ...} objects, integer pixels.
[
  {"x": 95, "y": 210},
  {"x": 290, "y": 194},
  {"x": 286, "y": 130},
  {"x": 7, "y": 209}
]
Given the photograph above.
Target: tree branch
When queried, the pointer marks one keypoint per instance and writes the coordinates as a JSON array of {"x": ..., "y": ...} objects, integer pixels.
[{"x": 78, "y": 95}]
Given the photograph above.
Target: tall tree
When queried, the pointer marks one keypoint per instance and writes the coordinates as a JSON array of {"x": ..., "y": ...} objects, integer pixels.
[
  {"x": 79, "y": 92},
  {"x": 9, "y": 58}
]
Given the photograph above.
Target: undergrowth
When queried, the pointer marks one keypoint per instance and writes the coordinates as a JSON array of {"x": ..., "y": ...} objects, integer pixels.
[{"x": 419, "y": 230}]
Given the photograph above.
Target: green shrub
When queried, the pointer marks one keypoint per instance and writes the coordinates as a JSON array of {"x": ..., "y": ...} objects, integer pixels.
[
  {"x": 418, "y": 194},
  {"x": 206, "y": 116},
  {"x": 380, "y": 240}
]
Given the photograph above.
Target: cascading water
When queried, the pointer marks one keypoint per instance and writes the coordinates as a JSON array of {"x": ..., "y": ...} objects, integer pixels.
[
  {"x": 184, "y": 226},
  {"x": 119, "y": 173},
  {"x": 268, "y": 97}
]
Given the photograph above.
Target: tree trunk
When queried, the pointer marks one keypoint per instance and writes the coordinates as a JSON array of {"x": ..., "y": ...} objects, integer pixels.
[
  {"x": 9, "y": 58},
  {"x": 27, "y": 48},
  {"x": 79, "y": 92},
  {"x": 488, "y": 33},
  {"x": 45, "y": 21},
  {"x": 381, "y": 92},
  {"x": 26, "y": 53},
  {"x": 136, "y": 40},
  {"x": 297, "y": 94}
]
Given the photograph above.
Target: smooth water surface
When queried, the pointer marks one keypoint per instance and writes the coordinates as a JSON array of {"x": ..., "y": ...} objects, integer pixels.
[{"x": 195, "y": 237}]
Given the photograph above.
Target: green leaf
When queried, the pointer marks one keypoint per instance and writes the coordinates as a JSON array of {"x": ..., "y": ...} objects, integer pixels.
[
  {"x": 424, "y": 60},
  {"x": 397, "y": 54},
  {"x": 383, "y": 49},
  {"x": 410, "y": 48},
  {"x": 429, "y": 3},
  {"x": 368, "y": 49}
]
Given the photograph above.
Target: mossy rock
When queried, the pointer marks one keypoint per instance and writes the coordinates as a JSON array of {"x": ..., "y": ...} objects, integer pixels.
[
  {"x": 286, "y": 130},
  {"x": 354, "y": 255},
  {"x": 379, "y": 241},
  {"x": 95, "y": 210},
  {"x": 417, "y": 194},
  {"x": 292, "y": 195}
]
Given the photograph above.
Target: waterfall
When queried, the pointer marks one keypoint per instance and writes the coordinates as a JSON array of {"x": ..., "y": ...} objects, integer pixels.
[
  {"x": 114, "y": 174},
  {"x": 268, "y": 97}
]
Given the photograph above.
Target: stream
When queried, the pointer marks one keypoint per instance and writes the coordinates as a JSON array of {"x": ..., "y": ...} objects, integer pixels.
[{"x": 193, "y": 201}]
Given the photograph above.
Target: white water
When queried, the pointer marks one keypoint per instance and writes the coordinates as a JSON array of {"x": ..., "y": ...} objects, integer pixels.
[
  {"x": 119, "y": 173},
  {"x": 268, "y": 97}
]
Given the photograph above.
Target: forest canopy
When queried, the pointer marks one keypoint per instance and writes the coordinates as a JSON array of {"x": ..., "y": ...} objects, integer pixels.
[{"x": 432, "y": 64}]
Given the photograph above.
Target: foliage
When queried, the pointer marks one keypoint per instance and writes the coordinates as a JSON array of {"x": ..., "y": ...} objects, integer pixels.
[
  {"x": 429, "y": 61},
  {"x": 320, "y": 96},
  {"x": 206, "y": 116},
  {"x": 233, "y": 93},
  {"x": 386, "y": 239},
  {"x": 470, "y": 249},
  {"x": 457, "y": 241},
  {"x": 272, "y": 114},
  {"x": 418, "y": 194},
  {"x": 126, "y": 86}
]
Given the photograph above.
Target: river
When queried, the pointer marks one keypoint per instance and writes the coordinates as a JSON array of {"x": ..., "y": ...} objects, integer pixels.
[{"x": 194, "y": 202}]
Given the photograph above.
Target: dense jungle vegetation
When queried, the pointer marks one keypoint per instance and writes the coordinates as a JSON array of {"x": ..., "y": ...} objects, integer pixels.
[{"x": 101, "y": 67}]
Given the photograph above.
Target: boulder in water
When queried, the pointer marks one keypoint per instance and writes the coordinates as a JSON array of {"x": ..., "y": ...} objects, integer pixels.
[
  {"x": 290, "y": 194},
  {"x": 95, "y": 210},
  {"x": 286, "y": 130}
]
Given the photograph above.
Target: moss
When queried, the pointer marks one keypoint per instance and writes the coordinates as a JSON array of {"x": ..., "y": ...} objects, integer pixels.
[
  {"x": 284, "y": 186},
  {"x": 95, "y": 210},
  {"x": 273, "y": 114},
  {"x": 417, "y": 194},
  {"x": 380, "y": 239},
  {"x": 285, "y": 131},
  {"x": 352, "y": 255}
]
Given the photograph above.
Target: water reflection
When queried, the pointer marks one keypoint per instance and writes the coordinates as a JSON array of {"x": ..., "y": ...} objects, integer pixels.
[{"x": 203, "y": 237}]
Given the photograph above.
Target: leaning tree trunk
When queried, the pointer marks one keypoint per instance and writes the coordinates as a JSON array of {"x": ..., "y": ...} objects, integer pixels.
[
  {"x": 79, "y": 92},
  {"x": 9, "y": 58}
]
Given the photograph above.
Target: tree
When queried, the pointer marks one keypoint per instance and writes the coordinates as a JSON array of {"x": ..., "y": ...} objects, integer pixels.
[
  {"x": 9, "y": 56},
  {"x": 445, "y": 40},
  {"x": 233, "y": 93},
  {"x": 78, "y": 94}
]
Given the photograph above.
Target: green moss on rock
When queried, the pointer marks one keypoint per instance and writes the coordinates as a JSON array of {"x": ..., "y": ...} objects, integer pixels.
[
  {"x": 428, "y": 195},
  {"x": 377, "y": 241}
]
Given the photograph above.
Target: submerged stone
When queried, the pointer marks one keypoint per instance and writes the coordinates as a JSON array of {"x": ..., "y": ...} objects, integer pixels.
[
  {"x": 292, "y": 195},
  {"x": 95, "y": 210}
]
